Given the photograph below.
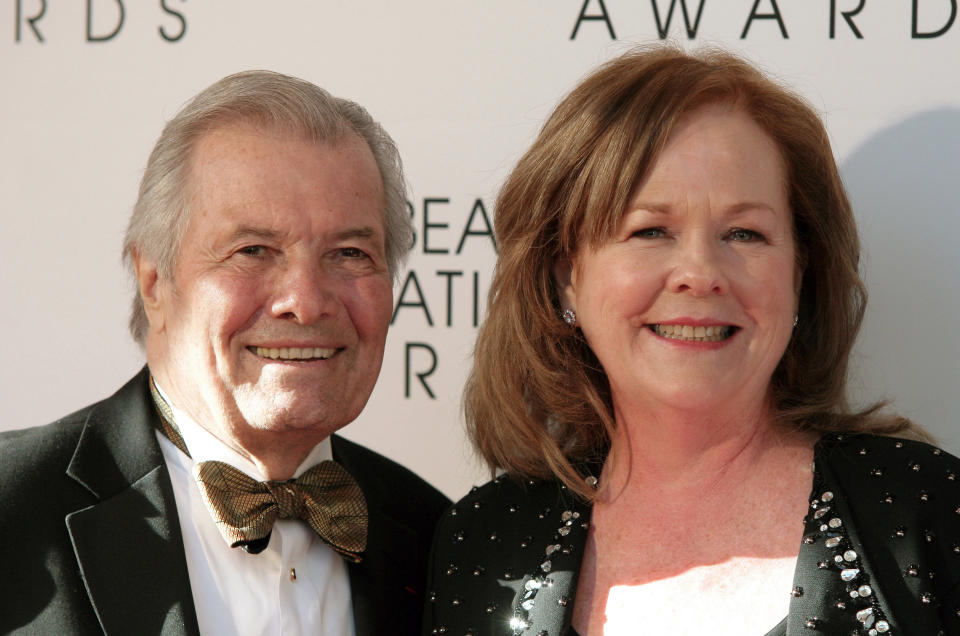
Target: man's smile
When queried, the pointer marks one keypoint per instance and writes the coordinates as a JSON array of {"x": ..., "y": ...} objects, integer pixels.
[{"x": 294, "y": 353}]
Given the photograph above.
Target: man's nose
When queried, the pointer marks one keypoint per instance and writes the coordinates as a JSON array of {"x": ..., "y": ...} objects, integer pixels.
[
  {"x": 304, "y": 292},
  {"x": 698, "y": 268}
]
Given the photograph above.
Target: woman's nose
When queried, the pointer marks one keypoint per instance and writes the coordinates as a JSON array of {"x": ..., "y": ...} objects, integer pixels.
[{"x": 698, "y": 269}]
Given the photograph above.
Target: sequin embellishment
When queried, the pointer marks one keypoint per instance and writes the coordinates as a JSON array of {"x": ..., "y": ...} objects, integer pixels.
[
  {"x": 847, "y": 563},
  {"x": 569, "y": 522}
]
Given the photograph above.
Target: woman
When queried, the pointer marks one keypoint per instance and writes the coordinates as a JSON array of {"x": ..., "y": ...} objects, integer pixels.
[{"x": 661, "y": 381}]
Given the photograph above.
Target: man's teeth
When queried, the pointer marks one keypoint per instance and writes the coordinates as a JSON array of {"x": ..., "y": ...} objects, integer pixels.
[
  {"x": 713, "y": 333},
  {"x": 294, "y": 353}
]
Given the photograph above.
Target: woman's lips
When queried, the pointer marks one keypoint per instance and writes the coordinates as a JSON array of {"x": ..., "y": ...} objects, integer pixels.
[{"x": 693, "y": 333}]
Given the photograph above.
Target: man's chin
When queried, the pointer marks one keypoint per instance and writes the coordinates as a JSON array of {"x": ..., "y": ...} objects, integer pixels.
[{"x": 280, "y": 418}]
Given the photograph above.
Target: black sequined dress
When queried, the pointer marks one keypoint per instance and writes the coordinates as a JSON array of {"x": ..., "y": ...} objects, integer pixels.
[{"x": 880, "y": 553}]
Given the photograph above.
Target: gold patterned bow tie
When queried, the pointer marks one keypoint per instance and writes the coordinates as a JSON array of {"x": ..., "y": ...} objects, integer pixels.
[{"x": 325, "y": 496}]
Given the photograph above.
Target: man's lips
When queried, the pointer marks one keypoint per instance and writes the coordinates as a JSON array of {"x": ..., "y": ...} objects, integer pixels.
[
  {"x": 293, "y": 353},
  {"x": 693, "y": 333}
]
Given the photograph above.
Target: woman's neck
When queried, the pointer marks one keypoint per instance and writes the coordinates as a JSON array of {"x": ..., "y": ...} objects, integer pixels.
[{"x": 689, "y": 452}]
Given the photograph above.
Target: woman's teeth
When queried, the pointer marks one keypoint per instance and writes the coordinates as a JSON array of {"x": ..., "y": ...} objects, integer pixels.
[
  {"x": 713, "y": 333},
  {"x": 294, "y": 353}
]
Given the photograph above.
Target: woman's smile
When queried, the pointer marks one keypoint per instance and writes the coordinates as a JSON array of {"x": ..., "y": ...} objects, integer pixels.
[{"x": 691, "y": 333}]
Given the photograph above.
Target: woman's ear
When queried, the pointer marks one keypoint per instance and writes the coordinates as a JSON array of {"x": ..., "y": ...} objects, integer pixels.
[
  {"x": 563, "y": 278},
  {"x": 797, "y": 287}
]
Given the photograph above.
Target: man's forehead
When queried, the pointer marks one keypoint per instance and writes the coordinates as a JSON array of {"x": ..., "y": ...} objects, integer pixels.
[
  {"x": 264, "y": 190},
  {"x": 230, "y": 143},
  {"x": 224, "y": 141}
]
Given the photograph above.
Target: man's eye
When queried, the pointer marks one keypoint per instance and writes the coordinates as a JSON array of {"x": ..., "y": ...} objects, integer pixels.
[
  {"x": 742, "y": 235},
  {"x": 253, "y": 250},
  {"x": 352, "y": 252},
  {"x": 650, "y": 233}
]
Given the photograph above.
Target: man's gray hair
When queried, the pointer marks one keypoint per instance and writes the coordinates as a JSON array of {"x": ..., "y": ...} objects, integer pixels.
[{"x": 273, "y": 101}]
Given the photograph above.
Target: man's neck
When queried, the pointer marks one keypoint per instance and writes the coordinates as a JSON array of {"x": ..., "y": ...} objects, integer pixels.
[{"x": 269, "y": 455}]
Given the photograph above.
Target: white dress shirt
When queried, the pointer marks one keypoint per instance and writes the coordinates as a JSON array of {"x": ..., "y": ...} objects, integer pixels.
[{"x": 297, "y": 585}]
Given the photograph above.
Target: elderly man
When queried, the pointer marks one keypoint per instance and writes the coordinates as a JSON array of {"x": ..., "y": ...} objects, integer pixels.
[{"x": 209, "y": 494}]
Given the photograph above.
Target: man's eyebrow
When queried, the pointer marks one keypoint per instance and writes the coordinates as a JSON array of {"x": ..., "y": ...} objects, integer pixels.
[
  {"x": 251, "y": 231},
  {"x": 266, "y": 234},
  {"x": 362, "y": 232}
]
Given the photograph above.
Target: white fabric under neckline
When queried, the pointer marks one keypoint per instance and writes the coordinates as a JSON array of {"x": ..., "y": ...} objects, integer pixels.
[{"x": 297, "y": 585}]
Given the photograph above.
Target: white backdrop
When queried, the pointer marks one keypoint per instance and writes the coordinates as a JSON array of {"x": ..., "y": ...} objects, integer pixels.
[{"x": 463, "y": 86}]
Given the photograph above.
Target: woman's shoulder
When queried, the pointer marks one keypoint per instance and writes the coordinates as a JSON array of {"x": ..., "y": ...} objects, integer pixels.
[
  {"x": 508, "y": 509},
  {"x": 893, "y": 484},
  {"x": 901, "y": 497},
  {"x": 505, "y": 493},
  {"x": 496, "y": 538},
  {"x": 902, "y": 490},
  {"x": 892, "y": 476},
  {"x": 885, "y": 454}
]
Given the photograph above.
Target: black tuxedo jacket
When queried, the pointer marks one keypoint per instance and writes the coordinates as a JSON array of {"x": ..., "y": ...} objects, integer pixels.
[
  {"x": 881, "y": 543},
  {"x": 90, "y": 543}
]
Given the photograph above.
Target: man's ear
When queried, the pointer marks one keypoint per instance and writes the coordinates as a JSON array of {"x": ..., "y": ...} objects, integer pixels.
[
  {"x": 151, "y": 290},
  {"x": 563, "y": 278}
]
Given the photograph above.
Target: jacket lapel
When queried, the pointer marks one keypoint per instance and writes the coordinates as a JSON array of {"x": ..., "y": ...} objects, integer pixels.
[
  {"x": 378, "y": 584},
  {"x": 128, "y": 545},
  {"x": 843, "y": 585},
  {"x": 381, "y": 585}
]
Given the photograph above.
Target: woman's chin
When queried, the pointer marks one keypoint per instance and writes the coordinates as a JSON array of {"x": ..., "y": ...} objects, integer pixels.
[{"x": 706, "y": 398}]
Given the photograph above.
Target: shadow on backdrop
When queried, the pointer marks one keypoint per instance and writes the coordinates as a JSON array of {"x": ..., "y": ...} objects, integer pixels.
[{"x": 903, "y": 183}]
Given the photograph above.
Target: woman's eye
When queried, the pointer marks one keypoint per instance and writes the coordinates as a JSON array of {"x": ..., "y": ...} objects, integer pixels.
[
  {"x": 744, "y": 236},
  {"x": 650, "y": 233}
]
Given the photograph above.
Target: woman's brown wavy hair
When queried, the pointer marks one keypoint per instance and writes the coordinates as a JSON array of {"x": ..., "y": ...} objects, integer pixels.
[{"x": 537, "y": 402}]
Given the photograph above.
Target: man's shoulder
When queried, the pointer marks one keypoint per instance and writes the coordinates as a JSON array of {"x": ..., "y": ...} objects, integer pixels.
[
  {"x": 37, "y": 491},
  {"x": 25, "y": 452},
  {"x": 30, "y": 455},
  {"x": 401, "y": 490}
]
